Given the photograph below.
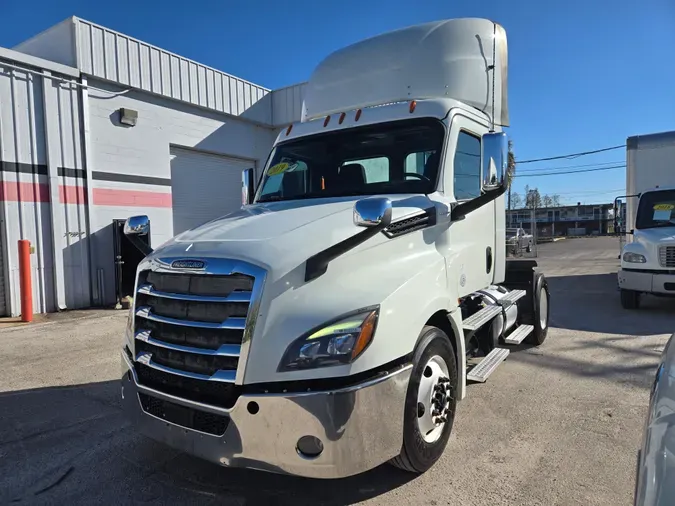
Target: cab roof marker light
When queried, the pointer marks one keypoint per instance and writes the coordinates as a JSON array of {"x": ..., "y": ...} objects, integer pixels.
[
  {"x": 413, "y": 104},
  {"x": 288, "y": 130},
  {"x": 342, "y": 118},
  {"x": 325, "y": 122},
  {"x": 358, "y": 115}
]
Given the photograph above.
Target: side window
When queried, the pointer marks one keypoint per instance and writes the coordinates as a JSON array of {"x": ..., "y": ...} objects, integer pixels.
[
  {"x": 467, "y": 167},
  {"x": 376, "y": 169},
  {"x": 415, "y": 162}
]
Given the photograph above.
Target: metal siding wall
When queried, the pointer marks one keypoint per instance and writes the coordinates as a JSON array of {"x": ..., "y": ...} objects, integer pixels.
[
  {"x": 287, "y": 104},
  {"x": 72, "y": 209},
  {"x": 25, "y": 195},
  {"x": 113, "y": 56}
]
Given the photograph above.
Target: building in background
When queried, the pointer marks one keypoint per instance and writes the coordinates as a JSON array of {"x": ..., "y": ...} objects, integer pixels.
[
  {"x": 96, "y": 126},
  {"x": 591, "y": 219}
]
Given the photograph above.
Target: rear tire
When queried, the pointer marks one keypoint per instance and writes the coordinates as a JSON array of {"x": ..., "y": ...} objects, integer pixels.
[
  {"x": 541, "y": 299},
  {"x": 630, "y": 299},
  {"x": 432, "y": 354}
]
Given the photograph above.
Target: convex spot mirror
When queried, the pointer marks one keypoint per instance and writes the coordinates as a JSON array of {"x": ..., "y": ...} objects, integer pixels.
[
  {"x": 373, "y": 212},
  {"x": 137, "y": 225}
]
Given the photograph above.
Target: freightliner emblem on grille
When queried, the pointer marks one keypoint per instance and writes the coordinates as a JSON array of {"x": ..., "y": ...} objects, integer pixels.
[{"x": 188, "y": 264}]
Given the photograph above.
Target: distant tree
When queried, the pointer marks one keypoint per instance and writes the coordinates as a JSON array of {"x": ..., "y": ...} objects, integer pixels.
[
  {"x": 555, "y": 198},
  {"x": 516, "y": 201},
  {"x": 547, "y": 201},
  {"x": 532, "y": 198}
]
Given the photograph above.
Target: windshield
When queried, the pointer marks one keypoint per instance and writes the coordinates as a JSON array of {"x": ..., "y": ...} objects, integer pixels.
[
  {"x": 397, "y": 157},
  {"x": 656, "y": 209},
  {"x": 511, "y": 232}
]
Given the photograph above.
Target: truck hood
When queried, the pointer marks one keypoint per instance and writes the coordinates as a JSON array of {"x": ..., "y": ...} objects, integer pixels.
[
  {"x": 280, "y": 235},
  {"x": 659, "y": 236}
]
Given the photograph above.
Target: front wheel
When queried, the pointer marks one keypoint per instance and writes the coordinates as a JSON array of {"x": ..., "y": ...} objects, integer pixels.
[
  {"x": 430, "y": 402},
  {"x": 541, "y": 299}
]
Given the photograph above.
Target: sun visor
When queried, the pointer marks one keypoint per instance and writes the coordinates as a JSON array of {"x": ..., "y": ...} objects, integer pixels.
[{"x": 443, "y": 59}]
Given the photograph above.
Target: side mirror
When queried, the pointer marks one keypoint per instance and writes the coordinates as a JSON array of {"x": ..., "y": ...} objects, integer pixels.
[
  {"x": 137, "y": 225},
  {"x": 495, "y": 156},
  {"x": 247, "y": 187},
  {"x": 373, "y": 212}
]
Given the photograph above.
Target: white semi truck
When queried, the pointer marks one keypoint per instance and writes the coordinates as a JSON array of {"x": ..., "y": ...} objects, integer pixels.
[
  {"x": 648, "y": 258},
  {"x": 333, "y": 323}
]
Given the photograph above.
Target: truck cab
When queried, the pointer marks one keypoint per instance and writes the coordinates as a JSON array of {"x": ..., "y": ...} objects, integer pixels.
[
  {"x": 333, "y": 322},
  {"x": 648, "y": 261}
]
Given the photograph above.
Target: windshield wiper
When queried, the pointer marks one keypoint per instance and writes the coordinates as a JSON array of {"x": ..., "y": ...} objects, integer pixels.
[{"x": 658, "y": 225}]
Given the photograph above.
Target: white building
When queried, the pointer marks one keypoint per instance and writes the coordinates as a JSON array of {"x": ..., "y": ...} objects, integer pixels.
[{"x": 71, "y": 164}]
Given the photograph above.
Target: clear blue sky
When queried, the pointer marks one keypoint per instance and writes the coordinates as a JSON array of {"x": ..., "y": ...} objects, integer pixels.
[{"x": 583, "y": 74}]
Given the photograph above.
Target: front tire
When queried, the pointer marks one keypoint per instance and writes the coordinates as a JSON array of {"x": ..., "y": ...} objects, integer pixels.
[
  {"x": 541, "y": 299},
  {"x": 630, "y": 299},
  {"x": 430, "y": 402}
]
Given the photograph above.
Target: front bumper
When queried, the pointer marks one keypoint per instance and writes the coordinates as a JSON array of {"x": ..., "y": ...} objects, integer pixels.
[
  {"x": 646, "y": 281},
  {"x": 360, "y": 427}
]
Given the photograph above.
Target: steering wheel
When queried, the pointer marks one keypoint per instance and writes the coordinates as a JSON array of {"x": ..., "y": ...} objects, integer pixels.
[{"x": 421, "y": 177}]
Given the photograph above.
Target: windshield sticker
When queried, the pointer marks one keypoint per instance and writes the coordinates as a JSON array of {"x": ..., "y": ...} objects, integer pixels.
[
  {"x": 664, "y": 207},
  {"x": 661, "y": 215},
  {"x": 277, "y": 169}
]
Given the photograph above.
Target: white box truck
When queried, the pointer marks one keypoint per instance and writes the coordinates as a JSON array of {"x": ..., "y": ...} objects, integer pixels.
[
  {"x": 648, "y": 258},
  {"x": 332, "y": 323}
]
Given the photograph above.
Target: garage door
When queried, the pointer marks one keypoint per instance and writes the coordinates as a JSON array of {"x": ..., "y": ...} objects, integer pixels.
[{"x": 203, "y": 187}]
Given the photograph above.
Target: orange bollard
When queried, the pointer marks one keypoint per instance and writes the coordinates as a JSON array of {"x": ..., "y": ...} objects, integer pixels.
[{"x": 25, "y": 281}]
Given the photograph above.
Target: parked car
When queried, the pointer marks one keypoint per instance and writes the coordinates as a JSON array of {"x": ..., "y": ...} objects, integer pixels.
[
  {"x": 654, "y": 484},
  {"x": 518, "y": 240}
]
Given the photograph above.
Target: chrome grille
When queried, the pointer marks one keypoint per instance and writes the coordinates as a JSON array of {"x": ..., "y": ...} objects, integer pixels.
[
  {"x": 191, "y": 333},
  {"x": 667, "y": 256}
]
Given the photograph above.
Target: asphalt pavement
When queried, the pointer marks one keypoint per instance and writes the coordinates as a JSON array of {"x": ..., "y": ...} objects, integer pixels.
[{"x": 554, "y": 425}]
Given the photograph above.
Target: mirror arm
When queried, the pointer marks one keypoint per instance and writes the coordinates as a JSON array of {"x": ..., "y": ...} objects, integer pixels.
[
  {"x": 461, "y": 210},
  {"x": 318, "y": 264},
  {"x": 140, "y": 245}
]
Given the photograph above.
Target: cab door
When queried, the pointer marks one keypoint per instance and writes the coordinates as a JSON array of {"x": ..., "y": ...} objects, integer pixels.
[{"x": 471, "y": 241}]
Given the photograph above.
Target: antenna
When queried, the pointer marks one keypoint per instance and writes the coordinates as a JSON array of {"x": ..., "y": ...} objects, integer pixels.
[{"x": 493, "y": 67}]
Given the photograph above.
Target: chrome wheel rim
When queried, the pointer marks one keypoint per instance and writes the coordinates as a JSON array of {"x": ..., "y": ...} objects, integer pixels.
[
  {"x": 433, "y": 399},
  {"x": 543, "y": 309}
]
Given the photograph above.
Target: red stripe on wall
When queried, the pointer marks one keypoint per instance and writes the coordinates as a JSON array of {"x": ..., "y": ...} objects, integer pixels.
[
  {"x": 108, "y": 197},
  {"x": 14, "y": 191},
  {"x": 69, "y": 194}
]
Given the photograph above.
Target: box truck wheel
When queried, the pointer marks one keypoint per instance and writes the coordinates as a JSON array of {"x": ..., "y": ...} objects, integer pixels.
[
  {"x": 430, "y": 402},
  {"x": 630, "y": 299},
  {"x": 541, "y": 298}
]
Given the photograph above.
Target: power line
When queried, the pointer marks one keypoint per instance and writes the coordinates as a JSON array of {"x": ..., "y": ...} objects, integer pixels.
[
  {"x": 571, "y": 155},
  {"x": 565, "y": 167},
  {"x": 573, "y": 171}
]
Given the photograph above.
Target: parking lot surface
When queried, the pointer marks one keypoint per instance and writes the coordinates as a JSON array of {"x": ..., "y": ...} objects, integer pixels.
[{"x": 554, "y": 425}]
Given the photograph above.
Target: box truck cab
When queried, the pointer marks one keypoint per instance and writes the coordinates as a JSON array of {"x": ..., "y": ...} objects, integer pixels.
[
  {"x": 648, "y": 261},
  {"x": 332, "y": 323}
]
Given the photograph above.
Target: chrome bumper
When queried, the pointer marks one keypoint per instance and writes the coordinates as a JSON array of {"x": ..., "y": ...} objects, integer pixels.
[
  {"x": 360, "y": 427},
  {"x": 646, "y": 281}
]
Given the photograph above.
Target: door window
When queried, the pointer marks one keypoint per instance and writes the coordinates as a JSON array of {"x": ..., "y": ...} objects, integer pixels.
[{"x": 467, "y": 167}]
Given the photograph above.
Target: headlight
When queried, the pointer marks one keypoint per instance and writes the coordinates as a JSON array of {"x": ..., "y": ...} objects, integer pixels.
[
  {"x": 336, "y": 343},
  {"x": 634, "y": 258}
]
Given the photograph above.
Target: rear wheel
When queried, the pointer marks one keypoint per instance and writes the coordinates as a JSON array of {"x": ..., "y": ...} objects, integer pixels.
[
  {"x": 630, "y": 299},
  {"x": 430, "y": 402}
]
